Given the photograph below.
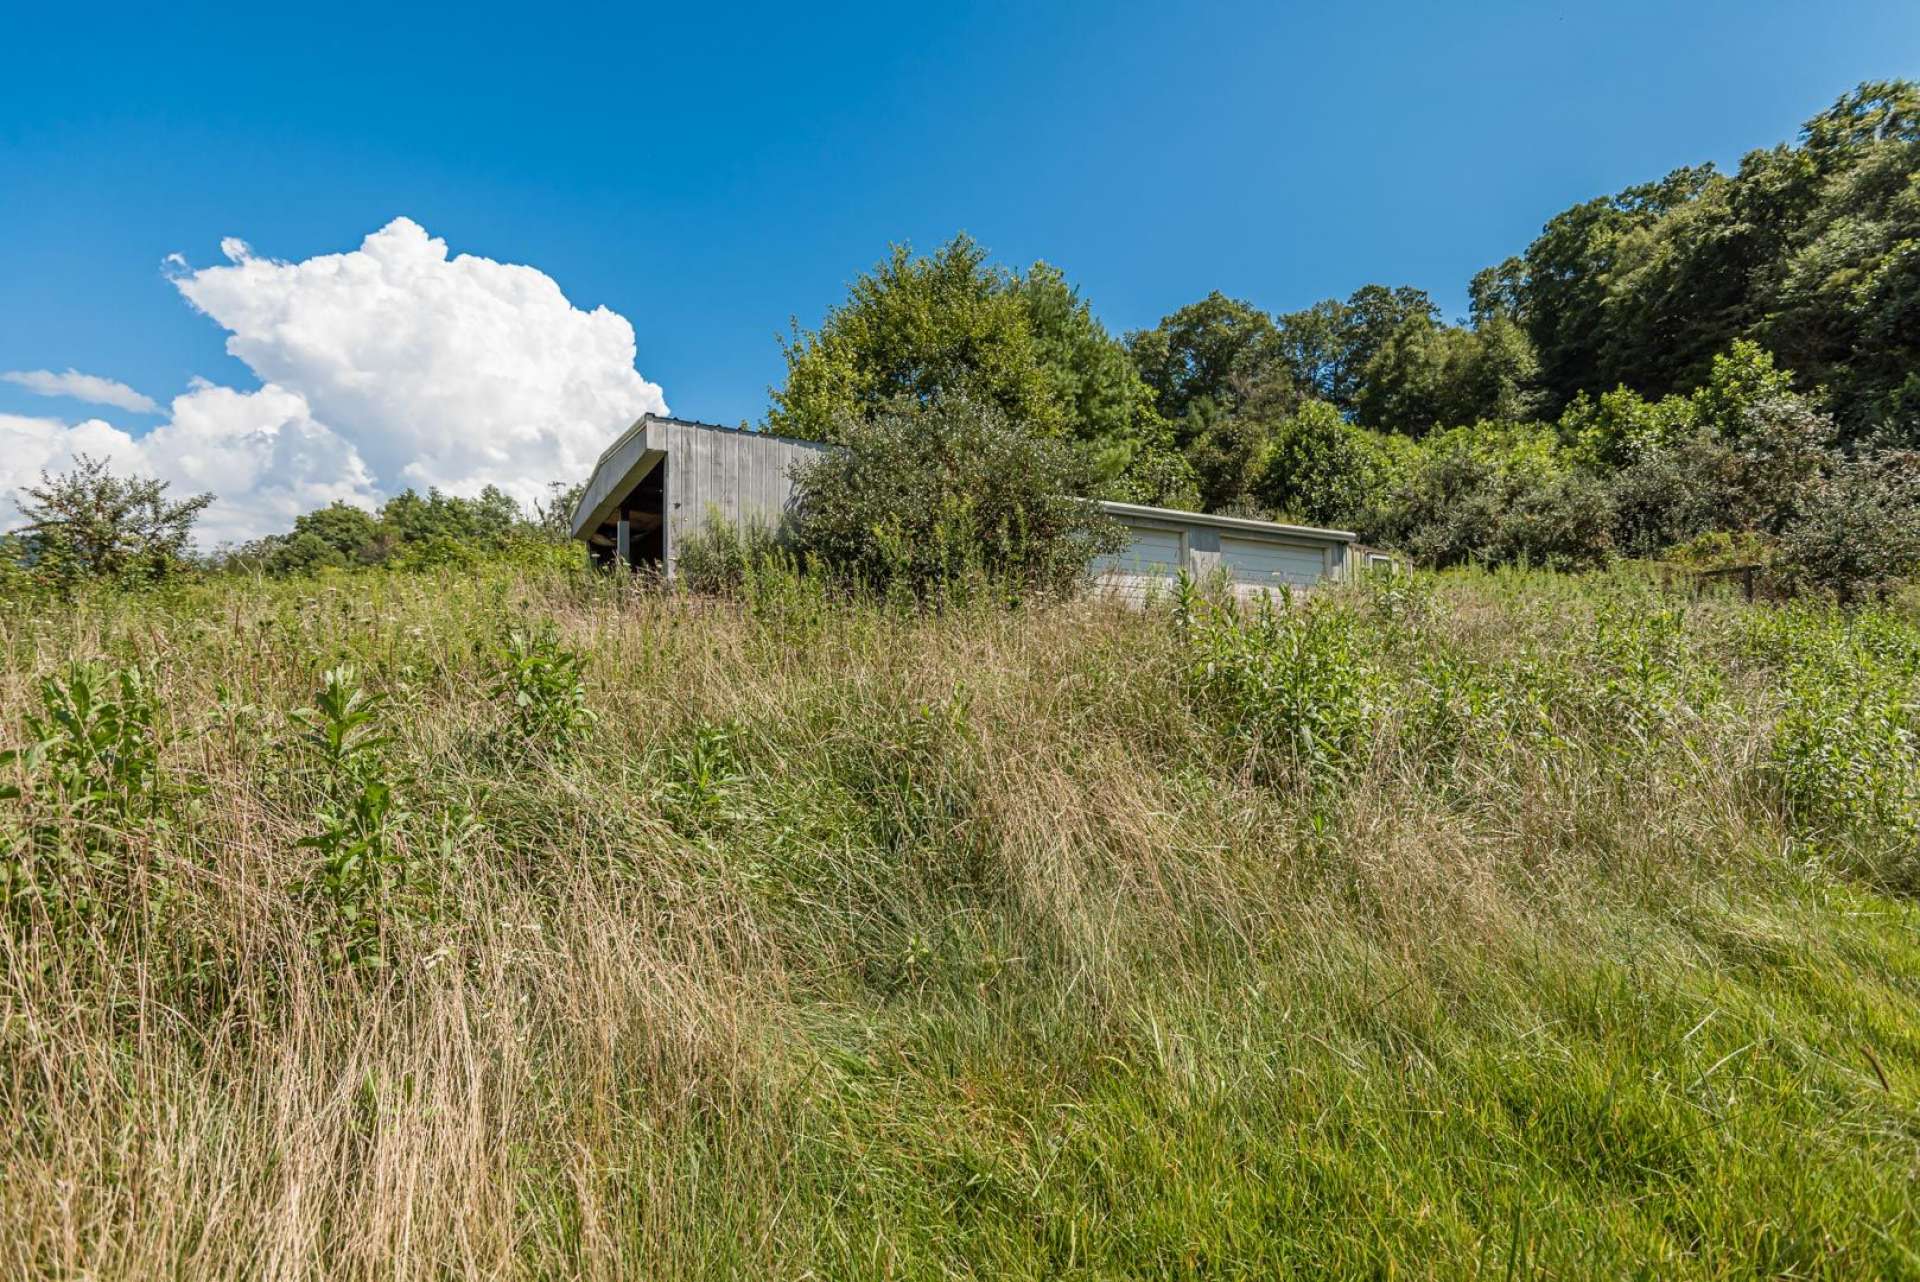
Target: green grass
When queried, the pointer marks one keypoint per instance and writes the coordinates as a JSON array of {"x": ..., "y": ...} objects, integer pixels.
[{"x": 1489, "y": 925}]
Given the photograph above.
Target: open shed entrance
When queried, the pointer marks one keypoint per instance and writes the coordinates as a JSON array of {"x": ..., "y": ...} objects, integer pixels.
[{"x": 636, "y": 529}]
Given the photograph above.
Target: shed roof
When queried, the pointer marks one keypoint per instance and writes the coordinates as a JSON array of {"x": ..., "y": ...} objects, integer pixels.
[
  {"x": 622, "y": 464},
  {"x": 624, "y": 461},
  {"x": 1272, "y": 529}
]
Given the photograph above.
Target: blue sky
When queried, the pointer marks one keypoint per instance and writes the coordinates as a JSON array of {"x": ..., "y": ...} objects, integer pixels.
[{"x": 709, "y": 172}]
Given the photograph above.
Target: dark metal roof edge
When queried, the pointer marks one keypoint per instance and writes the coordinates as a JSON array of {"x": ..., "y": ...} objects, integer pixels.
[{"x": 1245, "y": 523}]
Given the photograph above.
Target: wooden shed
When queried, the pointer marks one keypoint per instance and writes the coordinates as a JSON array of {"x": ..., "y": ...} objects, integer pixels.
[
  {"x": 661, "y": 481},
  {"x": 664, "y": 478}
]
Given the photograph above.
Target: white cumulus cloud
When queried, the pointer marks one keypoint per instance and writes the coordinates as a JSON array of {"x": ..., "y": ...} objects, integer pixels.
[
  {"x": 457, "y": 371},
  {"x": 261, "y": 455},
  {"x": 90, "y": 388},
  {"x": 392, "y": 365}
]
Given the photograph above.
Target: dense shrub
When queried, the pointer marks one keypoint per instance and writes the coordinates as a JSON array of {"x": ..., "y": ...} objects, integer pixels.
[
  {"x": 1497, "y": 496},
  {"x": 1620, "y": 428},
  {"x": 1159, "y": 477},
  {"x": 1780, "y": 449},
  {"x": 921, "y": 496},
  {"x": 1858, "y": 533},
  {"x": 1225, "y": 447},
  {"x": 89, "y": 525},
  {"x": 1668, "y": 494}
]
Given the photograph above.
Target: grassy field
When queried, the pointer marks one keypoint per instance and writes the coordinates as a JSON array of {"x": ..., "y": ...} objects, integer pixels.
[{"x": 1503, "y": 926}]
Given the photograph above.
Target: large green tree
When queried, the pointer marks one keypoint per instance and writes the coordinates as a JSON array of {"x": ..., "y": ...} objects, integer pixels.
[
  {"x": 1327, "y": 347},
  {"x": 1809, "y": 248},
  {"x": 1108, "y": 409},
  {"x": 950, "y": 325},
  {"x": 1219, "y": 351},
  {"x": 1427, "y": 375},
  {"x": 917, "y": 328}
]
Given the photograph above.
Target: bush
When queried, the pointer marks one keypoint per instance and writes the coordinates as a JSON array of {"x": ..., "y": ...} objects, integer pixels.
[
  {"x": 1622, "y": 428},
  {"x": 89, "y": 524},
  {"x": 1858, "y": 534},
  {"x": 1561, "y": 523},
  {"x": 1781, "y": 447},
  {"x": 1158, "y": 477},
  {"x": 1499, "y": 497},
  {"x": 1669, "y": 494},
  {"x": 1225, "y": 448},
  {"x": 923, "y": 495}
]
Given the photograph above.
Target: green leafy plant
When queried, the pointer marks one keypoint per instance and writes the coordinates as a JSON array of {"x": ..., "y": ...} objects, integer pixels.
[
  {"x": 1845, "y": 754},
  {"x": 89, "y": 791},
  {"x": 701, "y": 777},
  {"x": 541, "y": 684},
  {"x": 1293, "y": 685},
  {"x": 924, "y": 496},
  {"x": 362, "y": 878}
]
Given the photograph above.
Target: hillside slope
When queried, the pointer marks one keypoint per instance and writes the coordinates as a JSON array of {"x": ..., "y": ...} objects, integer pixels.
[{"x": 1443, "y": 928}]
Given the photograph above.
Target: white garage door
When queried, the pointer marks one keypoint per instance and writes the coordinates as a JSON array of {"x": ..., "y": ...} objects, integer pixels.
[
  {"x": 1151, "y": 558},
  {"x": 1259, "y": 563}
]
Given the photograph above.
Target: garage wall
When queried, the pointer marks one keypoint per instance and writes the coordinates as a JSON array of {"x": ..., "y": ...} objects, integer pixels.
[
  {"x": 745, "y": 478},
  {"x": 1261, "y": 563},
  {"x": 1255, "y": 556},
  {"x": 1149, "y": 563}
]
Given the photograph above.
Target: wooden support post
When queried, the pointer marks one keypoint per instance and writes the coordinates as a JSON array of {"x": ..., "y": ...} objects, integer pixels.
[{"x": 623, "y": 545}]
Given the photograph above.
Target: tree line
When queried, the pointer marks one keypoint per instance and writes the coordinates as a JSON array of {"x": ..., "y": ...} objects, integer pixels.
[
  {"x": 1732, "y": 358},
  {"x": 1713, "y": 360}
]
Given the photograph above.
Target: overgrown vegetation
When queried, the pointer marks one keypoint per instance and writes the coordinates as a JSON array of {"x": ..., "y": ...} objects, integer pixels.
[
  {"x": 408, "y": 532},
  {"x": 1706, "y": 360},
  {"x": 1707, "y": 354},
  {"x": 921, "y": 498},
  {"x": 511, "y": 921},
  {"x": 91, "y": 525},
  {"x": 818, "y": 915}
]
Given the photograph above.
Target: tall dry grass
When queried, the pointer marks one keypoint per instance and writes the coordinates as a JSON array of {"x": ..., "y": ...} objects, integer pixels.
[{"x": 1438, "y": 928}]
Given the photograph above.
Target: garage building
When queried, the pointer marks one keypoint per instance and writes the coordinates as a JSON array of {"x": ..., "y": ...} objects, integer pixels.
[
  {"x": 1253, "y": 555},
  {"x": 664, "y": 478}
]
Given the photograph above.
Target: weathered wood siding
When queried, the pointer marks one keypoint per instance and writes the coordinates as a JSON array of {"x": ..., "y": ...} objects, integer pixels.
[{"x": 741, "y": 478}]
